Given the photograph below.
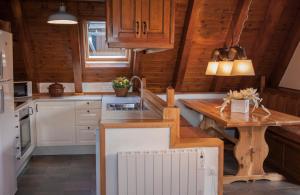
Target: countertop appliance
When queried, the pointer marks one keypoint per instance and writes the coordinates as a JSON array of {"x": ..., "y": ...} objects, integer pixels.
[
  {"x": 8, "y": 183},
  {"x": 22, "y": 89}
]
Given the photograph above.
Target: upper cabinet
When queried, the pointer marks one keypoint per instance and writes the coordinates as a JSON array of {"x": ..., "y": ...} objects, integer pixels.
[{"x": 140, "y": 23}]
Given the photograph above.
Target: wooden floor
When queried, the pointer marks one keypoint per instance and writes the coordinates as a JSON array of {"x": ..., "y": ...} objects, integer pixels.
[{"x": 75, "y": 175}]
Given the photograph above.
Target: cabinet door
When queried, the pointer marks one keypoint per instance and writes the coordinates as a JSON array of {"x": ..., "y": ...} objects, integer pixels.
[
  {"x": 55, "y": 123},
  {"x": 158, "y": 21},
  {"x": 124, "y": 21}
]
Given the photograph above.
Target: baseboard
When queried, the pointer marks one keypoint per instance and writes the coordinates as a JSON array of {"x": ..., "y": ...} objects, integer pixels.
[{"x": 64, "y": 150}]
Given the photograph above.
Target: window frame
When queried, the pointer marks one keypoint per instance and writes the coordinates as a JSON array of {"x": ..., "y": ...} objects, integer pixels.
[{"x": 113, "y": 62}]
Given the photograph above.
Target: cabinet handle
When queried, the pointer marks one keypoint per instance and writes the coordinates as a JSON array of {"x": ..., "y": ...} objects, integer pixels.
[
  {"x": 88, "y": 111},
  {"x": 144, "y": 27},
  {"x": 88, "y": 103},
  {"x": 36, "y": 108},
  {"x": 137, "y": 26}
]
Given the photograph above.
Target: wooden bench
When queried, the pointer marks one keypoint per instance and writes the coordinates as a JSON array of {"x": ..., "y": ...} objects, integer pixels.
[{"x": 284, "y": 142}]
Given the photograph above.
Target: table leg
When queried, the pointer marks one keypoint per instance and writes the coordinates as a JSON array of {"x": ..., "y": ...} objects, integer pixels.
[{"x": 251, "y": 151}]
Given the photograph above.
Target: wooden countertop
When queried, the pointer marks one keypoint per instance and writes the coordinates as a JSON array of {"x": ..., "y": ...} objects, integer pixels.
[{"x": 229, "y": 119}]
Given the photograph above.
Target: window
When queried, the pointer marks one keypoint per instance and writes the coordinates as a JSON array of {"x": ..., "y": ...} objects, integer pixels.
[{"x": 97, "y": 53}]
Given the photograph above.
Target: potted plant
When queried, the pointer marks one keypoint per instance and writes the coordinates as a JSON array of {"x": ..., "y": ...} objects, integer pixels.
[
  {"x": 121, "y": 86},
  {"x": 240, "y": 101}
]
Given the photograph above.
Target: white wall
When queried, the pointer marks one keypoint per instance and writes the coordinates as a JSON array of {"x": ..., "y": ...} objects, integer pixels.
[
  {"x": 291, "y": 78},
  {"x": 193, "y": 117}
]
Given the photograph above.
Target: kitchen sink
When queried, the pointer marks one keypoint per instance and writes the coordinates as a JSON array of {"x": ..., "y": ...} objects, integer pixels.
[{"x": 124, "y": 107}]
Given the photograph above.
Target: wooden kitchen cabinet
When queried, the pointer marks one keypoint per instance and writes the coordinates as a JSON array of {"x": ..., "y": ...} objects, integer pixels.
[
  {"x": 140, "y": 23},
  {"x": 55, "y": 123}
]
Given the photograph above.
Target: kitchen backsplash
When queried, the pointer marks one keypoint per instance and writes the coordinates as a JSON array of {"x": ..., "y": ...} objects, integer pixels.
[{"x": 87, "y": 87}]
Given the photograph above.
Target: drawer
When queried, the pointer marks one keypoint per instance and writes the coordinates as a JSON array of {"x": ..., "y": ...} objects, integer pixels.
[
  {"x": 88, "y": 117},
  {"x": 81, "y": 105},
  {"x": 86, "y": 136}
]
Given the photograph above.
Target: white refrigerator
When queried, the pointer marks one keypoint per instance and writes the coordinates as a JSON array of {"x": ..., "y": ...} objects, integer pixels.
[{"x": 8, "y": 183}]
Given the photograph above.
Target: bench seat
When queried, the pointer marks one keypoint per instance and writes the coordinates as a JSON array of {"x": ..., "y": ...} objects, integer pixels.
[{"x": 284, "y": 142}]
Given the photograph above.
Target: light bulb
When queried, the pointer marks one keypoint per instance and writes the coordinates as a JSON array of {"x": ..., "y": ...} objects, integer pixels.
[{"x": 224, "y": 68}]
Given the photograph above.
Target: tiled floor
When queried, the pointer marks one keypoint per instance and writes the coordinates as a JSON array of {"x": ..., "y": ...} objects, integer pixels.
[
  {"x": 258, "y": 187},
  {"x": 59, "y": 175},
  {"x": 75, "y": 175}
]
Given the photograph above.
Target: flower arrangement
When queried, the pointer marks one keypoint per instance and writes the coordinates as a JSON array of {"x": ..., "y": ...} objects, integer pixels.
[
  {"x": 121, "y": 86},
  {"x": 249, "y": 94},
  {"x": 120, "y": 83}
]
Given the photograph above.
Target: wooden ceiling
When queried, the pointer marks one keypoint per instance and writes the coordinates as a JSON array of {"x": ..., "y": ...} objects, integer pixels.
[{"x": 47, "y": 53}]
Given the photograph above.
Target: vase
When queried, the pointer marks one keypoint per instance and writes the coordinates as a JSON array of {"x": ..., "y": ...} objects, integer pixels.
[
  {"x": 241, "y": 106},
  {"x": 121, "y": 92}
]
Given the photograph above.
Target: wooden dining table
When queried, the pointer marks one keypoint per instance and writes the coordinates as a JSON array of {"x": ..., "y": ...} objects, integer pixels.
[{"x": 251, "y": 148}]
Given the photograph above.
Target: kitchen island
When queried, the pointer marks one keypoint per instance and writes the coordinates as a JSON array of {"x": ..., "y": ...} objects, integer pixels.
[{"x": 142, "y": 152}]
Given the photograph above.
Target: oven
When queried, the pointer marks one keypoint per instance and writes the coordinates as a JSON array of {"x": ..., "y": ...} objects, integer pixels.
[{"x": 24, "y": 140}]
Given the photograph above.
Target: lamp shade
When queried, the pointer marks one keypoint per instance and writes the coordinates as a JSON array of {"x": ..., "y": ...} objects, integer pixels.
[
  {"x": 242, "y": 68},
  {"x": 212, "y": 68},
  {"x": 224, "y": 68},
  {"x": 62, "y": 17}
]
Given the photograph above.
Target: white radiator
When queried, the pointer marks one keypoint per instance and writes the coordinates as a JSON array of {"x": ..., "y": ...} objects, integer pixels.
[{"x": 171, "y": 172}]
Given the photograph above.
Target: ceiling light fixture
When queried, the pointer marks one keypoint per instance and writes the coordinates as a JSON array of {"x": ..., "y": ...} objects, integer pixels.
[
  {"x": 62, "y": 17},
  {"x": 230, "y": 61}
]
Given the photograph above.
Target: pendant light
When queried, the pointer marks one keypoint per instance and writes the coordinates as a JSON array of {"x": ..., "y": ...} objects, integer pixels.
[
  {"x": 62, "y": 17},
  {"x": 230, "y": 61}
]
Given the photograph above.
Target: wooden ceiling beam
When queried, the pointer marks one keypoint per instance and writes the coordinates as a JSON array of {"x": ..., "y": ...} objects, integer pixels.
[
  {"x": 191, "y": 20},
  {"x": 24, "y": 40},
  {"x": 233, "y": 36},
  {"x": 264, "y": 37},
  {"x": 286, "y": 55},
  {"x": 238, "y": 22}
]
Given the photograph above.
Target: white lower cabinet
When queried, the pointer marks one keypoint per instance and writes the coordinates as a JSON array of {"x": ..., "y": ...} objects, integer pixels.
[
  {"x": 62, "y": 123},
  {"x": 55, "y": 123},
  {"x": 88, "y": 114},
  {"x": 86, "y": 135}
]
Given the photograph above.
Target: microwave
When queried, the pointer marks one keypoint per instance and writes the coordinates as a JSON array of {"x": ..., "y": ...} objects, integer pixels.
[{"x": 22, "y": 89}]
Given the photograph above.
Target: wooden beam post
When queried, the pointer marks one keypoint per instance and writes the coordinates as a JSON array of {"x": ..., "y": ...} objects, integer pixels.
[
  {"x": 191, "y": 20},
  {"x": 25, "y": 42},
  {"x": 76, "y": 58},
  {"x": 264, "y": 37},
  {"x": 233, "y": 36},
  {"x": 285, "y": 56},
  {"x": 137, "y": 56},
  {"x": 170, "y": 97}
]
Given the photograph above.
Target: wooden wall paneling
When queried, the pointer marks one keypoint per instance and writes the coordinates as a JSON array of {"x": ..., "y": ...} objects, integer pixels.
[
  {"x": 260, "y": 46},
  {"x": 52, "y": 47},
  {"x": 24, "y": 41},
  {"x": 190, "y": 23},
  {"x": 234, "y": 33},
  {"x": 286, "y": 54}
]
